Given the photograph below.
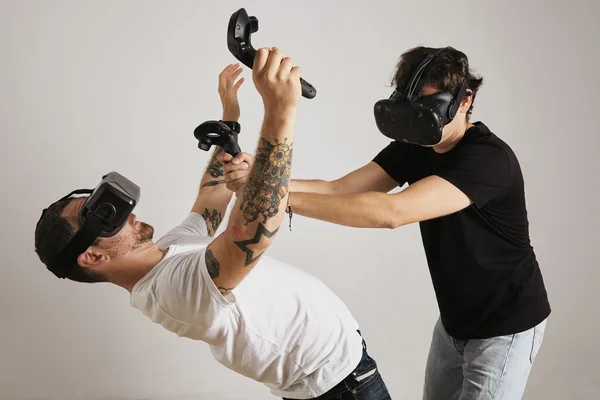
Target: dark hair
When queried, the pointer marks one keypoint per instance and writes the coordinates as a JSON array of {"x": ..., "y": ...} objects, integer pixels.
[
  {"x": 52, "y": 234},
  {"x": 446, "y": 74}
]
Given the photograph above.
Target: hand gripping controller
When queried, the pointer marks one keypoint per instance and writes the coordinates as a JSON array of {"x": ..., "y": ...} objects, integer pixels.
[
  {"x": 219, "y": 134},
  {"x": 241, "y": 26}
]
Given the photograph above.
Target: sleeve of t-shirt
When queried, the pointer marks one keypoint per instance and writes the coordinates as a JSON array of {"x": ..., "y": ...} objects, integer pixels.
[
  {"x": 481, "y": 170},
  {"x": 192, "y": 226},
  {"x": 185, "y": 290},
  {"x": 393, "y": 160}
]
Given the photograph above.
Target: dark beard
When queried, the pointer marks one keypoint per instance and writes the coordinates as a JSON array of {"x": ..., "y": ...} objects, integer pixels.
[{"x": 145, "y": 233}]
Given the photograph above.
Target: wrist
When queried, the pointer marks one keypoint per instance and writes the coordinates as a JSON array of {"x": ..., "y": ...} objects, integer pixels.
[
  {"x": 292, "y": 200},
  {"x": 278, "y": 113},
  {"x": 230, "y": 116}
]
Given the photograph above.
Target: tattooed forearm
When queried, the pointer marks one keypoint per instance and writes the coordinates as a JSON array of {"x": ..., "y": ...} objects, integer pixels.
[
  {"x": 215, "y": 167},
  {"x": 268, "y": 182},
  {"x": 213, "y": 220},
  {"x": 225, "y": 291},
  {"x": 212, "y": 183},
  {"x": 246, "y": 245}
]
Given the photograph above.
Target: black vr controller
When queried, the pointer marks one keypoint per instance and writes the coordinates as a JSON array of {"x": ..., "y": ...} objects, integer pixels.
[
  {"x": 241, "y": 26},
  {"x": 220, "y": 134}
]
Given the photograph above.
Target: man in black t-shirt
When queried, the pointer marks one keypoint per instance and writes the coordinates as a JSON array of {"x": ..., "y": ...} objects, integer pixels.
[{"x": 467, "y": 194}]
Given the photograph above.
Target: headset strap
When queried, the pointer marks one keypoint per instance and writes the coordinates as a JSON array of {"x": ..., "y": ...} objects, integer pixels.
[
  {"x": 78, "y": 191},
  {"x": 459, "y": 96},
  {"x": 421, "y": 74},
  {"x": 81, "y": 241}
]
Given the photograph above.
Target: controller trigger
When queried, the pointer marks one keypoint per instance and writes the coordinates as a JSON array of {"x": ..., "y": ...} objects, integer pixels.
[{"x": 253, "y": 24}]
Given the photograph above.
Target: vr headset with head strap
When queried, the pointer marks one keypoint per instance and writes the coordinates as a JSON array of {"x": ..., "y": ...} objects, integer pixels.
[
  {"x": 103, "y": 214},
  {"x": 409, "y": 117}
]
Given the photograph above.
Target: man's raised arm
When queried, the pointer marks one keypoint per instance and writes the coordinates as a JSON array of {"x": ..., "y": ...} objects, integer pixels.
[
  {"x": 261, "y": 202},
  {"x": 213, "y": 196}
]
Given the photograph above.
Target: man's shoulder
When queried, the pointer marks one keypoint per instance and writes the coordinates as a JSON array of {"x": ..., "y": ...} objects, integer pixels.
[
  {"x": 192, "y": 230},
  {"x": 480, "y": 138},
  {"x": 183, "y": 239},
  {"x": 481, "y": 133}
]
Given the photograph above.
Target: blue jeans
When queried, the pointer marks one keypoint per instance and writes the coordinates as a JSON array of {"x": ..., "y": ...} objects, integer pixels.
[
  {"x": 364, "y": 383},
  {"x": 493, "y": 369}
]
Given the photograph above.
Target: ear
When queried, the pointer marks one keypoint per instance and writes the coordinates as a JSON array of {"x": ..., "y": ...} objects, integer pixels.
[
  {"x": 466, "y": 102},
  {"x": 92, "y": 257}
]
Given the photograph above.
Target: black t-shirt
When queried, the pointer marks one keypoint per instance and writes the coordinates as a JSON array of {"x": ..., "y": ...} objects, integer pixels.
[{"x": 484, "y": 270}]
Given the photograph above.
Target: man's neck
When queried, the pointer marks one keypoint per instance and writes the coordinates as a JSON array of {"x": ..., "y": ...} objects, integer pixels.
[
  {"x": 145, "y": 259},
  {"x": 452, "y": 140}
]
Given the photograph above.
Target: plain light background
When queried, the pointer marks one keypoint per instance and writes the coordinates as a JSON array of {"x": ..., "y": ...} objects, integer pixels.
[{"x": 87, "y": 87}]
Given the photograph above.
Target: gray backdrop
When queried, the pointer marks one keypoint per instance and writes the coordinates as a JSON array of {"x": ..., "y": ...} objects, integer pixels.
[{"x": 92, "y": 86}]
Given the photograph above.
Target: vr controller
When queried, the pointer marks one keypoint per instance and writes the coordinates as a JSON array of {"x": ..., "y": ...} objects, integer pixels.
[
  {"x": 225, "y": 133},
  {"x": 240, "y": 28},
  {"x": 218, "y": 133}
]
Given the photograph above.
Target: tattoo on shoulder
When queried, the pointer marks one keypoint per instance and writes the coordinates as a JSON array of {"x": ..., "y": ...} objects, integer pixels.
[
  {"x": 213, "y": 220},
  {"x": 246, "y": 245},
  {"x": 212, "y": 264},
  {"x": 268, "y": 183}
]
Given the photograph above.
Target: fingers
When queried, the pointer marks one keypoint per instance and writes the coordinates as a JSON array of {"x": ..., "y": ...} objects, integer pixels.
[
  {"x": 238, "y": 84},
  {"x": 228, "y": 70},
  {"x": 274, "y": 62},
  {"x": 224, "y": 157},
  {"x": 230, "y": 167},
  {"x": 230, "y": 160},
  {"x": 236, "y": 73},
  {"x": 285, "y": 67},
  {"x": 238, "y": 159},
  {"x": 271, "y": 74},
  {"x": 234, "y": 176},
  {"x": 268, "y": 61},
  {"x": 297, "y": 72},
  {"x": 260, "y": 60},
  {"x": 230, "y": 74}
]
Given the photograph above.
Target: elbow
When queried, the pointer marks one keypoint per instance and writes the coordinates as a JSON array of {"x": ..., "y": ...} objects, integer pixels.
[
  {"x": 335, "y": 187},
  {"x": 394, "y": 219},
  {"x": 257, "y": 236},
  {"x": 391, "y": 223}
]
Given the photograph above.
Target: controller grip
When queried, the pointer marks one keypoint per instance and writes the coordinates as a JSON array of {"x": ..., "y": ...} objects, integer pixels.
[
  {"x": 308, "y": 90},
  {"x": 232, "y": 148}
]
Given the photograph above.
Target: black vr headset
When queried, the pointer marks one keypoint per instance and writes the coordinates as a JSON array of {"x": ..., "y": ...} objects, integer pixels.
[
  {"x": 103, "y": 214},
  {"x": 409, "y": 117}
]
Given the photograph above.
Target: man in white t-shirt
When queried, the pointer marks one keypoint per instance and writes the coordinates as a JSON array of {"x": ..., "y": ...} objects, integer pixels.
[{"x": 266, "y": 320}]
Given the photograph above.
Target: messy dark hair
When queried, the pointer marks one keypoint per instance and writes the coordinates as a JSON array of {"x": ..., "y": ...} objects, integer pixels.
[
  {"x": 446, "y": 74},
  {"x": 52, "y": 235}
]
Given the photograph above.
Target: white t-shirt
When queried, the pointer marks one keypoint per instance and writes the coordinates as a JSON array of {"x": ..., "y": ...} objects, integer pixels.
[{"x": 279, "y": 326}]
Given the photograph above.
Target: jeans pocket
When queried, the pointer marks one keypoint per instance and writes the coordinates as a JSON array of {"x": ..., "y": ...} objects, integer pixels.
[
  {"x": 363, "y": 376},
  {"x": 538, "y": 336}
]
